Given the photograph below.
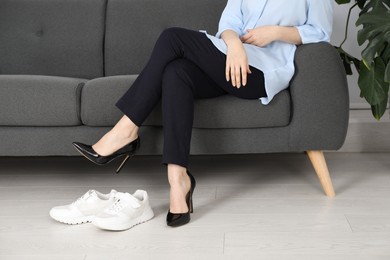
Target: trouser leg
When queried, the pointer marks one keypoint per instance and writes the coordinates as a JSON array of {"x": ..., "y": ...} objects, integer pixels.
[
  {"x": 201, "y": 74},
  {"x": 175, "y": 43},
  {"x": 182, "y": 82}
]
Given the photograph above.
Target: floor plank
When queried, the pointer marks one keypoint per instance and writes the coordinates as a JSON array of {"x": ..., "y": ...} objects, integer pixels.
[
  {"x": 267, "y": 206},
  {"x": 299, "y": 191},
  {"x": 366, "y": 222},
  {"x": 43, "y": 257},
  {"x": 247, "y": 257},
  {"x": 72, "y": 193},
  {"x": 99, "y": 241},
  {"x": 215, "y": 222},
  {"x": 322, "y": 243},
  {"x": 229, "y": 205}
]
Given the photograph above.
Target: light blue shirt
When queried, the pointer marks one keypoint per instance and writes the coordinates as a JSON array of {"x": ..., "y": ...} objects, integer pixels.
[{"x": 312, "y": 18}]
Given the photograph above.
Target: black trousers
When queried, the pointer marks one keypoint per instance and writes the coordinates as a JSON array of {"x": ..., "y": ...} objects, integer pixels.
[{"x": 184, "y": 65}]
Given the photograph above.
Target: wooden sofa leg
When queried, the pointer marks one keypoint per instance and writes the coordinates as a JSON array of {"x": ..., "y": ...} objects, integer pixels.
[{"x": 317, "y": 158}]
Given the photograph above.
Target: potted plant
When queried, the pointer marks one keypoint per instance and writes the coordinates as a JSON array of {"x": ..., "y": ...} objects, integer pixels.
[{"x": 374, "y": 67}]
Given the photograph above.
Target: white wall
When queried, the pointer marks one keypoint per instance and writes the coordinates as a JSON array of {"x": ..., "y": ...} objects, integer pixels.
[{"x": 351, "y": 46}]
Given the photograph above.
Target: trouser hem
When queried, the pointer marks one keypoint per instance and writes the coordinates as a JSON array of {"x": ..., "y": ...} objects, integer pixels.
[{"x": 126, "y": 109}]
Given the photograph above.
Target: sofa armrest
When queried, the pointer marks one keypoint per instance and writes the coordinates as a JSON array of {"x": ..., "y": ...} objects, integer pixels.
[{"x": 320, "y": 99}]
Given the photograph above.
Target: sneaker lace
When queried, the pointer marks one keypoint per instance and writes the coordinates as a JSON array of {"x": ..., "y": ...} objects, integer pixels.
[
  {"x": 84, "y": 197},
  {"x": 120, "y": 204}
]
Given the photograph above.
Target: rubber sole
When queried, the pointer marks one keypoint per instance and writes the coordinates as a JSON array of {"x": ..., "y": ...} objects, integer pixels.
[
  {"x": 146, "y": 216},
  {"x": 79, "y": 221}
]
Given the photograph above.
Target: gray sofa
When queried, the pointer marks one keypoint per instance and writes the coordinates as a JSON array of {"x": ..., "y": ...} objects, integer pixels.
[{"x": 64, "y": 64}]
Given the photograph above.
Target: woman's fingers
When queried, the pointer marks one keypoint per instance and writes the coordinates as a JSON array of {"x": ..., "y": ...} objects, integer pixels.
[
  {"x": 237, "y": 75},
  {"x": 244, "y": 75},
  {"x": 246, "y": 36},
  {"x": 227, "y": 72},
  {"x": 233, "y": 76},
  {"x": 237, "y": 72},
  {"x": 250, "y": 40}
]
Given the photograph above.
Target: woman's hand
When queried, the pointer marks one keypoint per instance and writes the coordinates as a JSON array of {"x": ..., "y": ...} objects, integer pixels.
[
  {"x": 237, "y": 67},
  {"x": 261, "y": 36},
  {"x": 264, "y": 35}
]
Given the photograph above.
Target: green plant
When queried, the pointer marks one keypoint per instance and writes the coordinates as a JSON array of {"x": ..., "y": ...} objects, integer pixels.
[{"x": 374, "y": 68}]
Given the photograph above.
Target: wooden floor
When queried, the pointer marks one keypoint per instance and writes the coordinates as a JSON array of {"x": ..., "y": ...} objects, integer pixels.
[{"x": 267, "y": 206}]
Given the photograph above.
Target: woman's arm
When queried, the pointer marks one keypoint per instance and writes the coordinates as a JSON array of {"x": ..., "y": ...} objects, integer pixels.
[
  {"x": 229, "y": 29},
  {"x": 264, "y": 35},
  {"x": 318, "y": 27},
  {"x": 288, "y": 34},
  {"x": 231, "y": 18},
  {"x": 237, "y": 67}
]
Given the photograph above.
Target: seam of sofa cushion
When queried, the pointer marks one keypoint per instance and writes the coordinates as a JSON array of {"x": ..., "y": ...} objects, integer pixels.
[
  {"x": 78, "y": 101},
  {"x": 104, "y": 37}
]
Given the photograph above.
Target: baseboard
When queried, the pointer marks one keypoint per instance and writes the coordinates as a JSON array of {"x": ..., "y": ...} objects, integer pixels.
[{"x": 366, "y": 134}]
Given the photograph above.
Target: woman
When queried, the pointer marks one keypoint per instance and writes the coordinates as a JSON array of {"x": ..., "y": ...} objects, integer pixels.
[{"x": 250, "y": 57}]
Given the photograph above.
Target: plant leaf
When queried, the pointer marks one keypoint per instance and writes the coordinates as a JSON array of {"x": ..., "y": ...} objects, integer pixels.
[
  {"x": 347, "y": 65},
  {"x": 374, "y": 47},
  {"x": 372, "y": 84},
  {"x": 348, "y": 60},
  {"x": 387, "y": 73},
  {"x": 376, "y": 29},
  {"x": 341, "y": 2},
  {"x": 386, "y": 53},
  {"x": 361, "y": 3},
  {"x": 368, "y": 32},
  {"x": 379, "y": 110},
  {"x": 375, "y": 4}
]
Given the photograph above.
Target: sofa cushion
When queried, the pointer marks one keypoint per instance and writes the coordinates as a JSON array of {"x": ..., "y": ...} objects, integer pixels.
[
  {"x": 133, "y": 27},
  {"x": 32, "y": 100},
  {"x": 100, "y": 95},
  {"x": 54, "y": 38}
]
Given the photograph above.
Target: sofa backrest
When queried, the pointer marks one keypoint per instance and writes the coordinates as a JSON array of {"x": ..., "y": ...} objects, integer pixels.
[
  {"x": 52, "y": 37},
  {"x": 133, "y": 26},
  {"x": 92, "y": 38}
]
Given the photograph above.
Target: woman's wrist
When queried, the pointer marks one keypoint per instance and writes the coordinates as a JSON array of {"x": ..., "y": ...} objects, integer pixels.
[
  {"x": 287, "y": 34},
  {"x": 233, "y": 42},
  {"x": 230, "y": 38},
  {"x": 277, "y": 33}
]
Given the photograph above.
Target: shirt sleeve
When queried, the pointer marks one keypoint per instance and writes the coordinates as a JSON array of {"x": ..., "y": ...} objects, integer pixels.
[
  {"x": 231, "y": 18},
  {"x": 318, "y": 27}
]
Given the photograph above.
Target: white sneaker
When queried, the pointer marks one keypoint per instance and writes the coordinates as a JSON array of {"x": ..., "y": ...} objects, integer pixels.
[
  {"x": 126, "y": 212},
  {"x": 84, "y": 209}
]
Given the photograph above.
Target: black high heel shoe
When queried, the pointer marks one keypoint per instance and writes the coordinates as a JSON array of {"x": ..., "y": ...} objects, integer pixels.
[
  {"x": 128, "y": 150},
  {"x": 179, "y": 219}
]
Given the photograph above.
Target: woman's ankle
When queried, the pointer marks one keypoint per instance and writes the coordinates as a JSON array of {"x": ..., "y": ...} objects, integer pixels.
[
  {"x": 178, "y": 178},
  {"x": 113, "y": 140},
  {"x": 126, "y": 129},
  {"x": 176, "y": 173}
]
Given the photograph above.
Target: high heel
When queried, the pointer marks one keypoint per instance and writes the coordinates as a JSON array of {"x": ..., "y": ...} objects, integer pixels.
[
  {"x": 128, "y": 151},
  {"x": 179, "y": 219}
]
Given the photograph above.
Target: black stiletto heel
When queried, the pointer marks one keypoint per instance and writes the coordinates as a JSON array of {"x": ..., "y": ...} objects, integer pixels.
[
  {"x": 123, "y": 163},
  {"x": 179, "y": 219},
  {"x": 128, "y": 151}
]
